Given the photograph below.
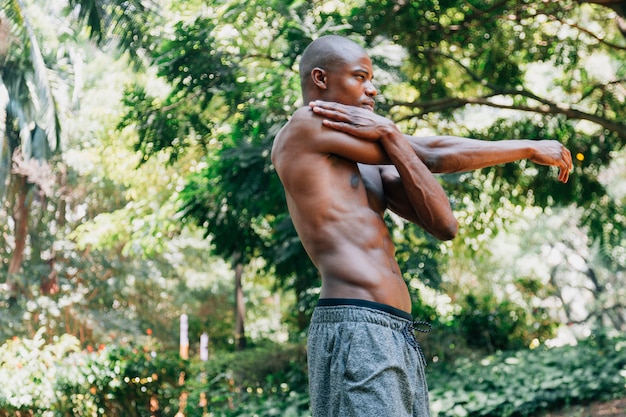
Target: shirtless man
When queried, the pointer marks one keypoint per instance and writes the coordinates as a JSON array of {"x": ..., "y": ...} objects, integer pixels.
[{"x": 342, "y": 166}]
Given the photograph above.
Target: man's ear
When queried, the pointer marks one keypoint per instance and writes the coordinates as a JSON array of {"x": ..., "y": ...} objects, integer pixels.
[{"x": 318, "y": 76}]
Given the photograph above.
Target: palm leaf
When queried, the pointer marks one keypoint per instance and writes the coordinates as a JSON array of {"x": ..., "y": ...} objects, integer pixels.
[
  {"x": 92, "y": 13},
  {"x": 46, "y": 115},
  {"x": 28, "y": 114},
  {"x": 25, "y": 77},
  {"x": 121, "y": 23}
]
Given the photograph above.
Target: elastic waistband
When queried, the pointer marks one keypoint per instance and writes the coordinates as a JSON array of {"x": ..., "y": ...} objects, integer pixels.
[{"x": 336, "y": 302}]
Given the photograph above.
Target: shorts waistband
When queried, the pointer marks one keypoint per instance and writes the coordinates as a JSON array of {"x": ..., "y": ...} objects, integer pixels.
[
  {"x": 335, "y": 302},
  {"x": 346, "y": 310}
]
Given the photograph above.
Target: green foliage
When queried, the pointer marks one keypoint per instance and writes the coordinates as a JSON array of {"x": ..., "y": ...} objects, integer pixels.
[
  {"x": 123, "y": 24},
  {"x": 490, "y": 325},
  {"x": 115, "y": 299},
  {"x": 56, "y": 379},
  {"x": 29, "y": 370},
  {"x": 39, "y": 48},
  {"x": 461, "y": 51},
  {"x": 28, "y": 105},
  {"x": 236, "y": 83},
  {"x": 268, "y": 380},
  {"x": 479, "y": 322},
  {"x": 524, "y": 382},
  {"x": 482, "y": 49}
]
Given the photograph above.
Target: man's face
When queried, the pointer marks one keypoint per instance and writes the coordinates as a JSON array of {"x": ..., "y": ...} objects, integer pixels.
[{"x": 351, "y": 82}]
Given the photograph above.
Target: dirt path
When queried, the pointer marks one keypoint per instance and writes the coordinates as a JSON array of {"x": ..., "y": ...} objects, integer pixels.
[{"x": 614, "y": 408}]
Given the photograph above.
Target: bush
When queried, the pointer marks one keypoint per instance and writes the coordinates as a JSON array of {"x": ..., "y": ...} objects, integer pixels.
[
  {"x": 28, "y": 371},
  {"x": 264, "y": 381},
  {"x": 55, "y": 378},
  {"x": 523, "y": 382},
  {"x": 492, "y": 325}
]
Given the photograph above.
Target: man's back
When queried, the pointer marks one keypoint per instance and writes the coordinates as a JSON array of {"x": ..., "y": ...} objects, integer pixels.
[{"x": 337, "y": 209}]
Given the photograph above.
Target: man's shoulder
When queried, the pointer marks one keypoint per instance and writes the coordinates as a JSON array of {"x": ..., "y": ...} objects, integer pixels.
[
  {"x": 303, "y": 118},
  {"x": 294, "y": 139},
  {"x": 302, "y": 124}
]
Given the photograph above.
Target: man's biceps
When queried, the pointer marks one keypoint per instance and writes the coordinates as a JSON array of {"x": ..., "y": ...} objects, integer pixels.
[
  {"x": 371, "y": 154},
  {"x": 357, "y": 150}
]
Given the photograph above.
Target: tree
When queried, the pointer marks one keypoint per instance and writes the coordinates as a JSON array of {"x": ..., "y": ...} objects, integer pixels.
[
  {"x": 29, "y": 134},
  {"x": 222, "y": 101},
  {"x": 618, "y": 6},
  {"x": 30, "y": 131},
  {"x": 232, "y": 87}
]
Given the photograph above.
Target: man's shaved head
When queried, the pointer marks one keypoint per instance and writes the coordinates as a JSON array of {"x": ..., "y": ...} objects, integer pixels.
[{"x": 327, "y": 53}]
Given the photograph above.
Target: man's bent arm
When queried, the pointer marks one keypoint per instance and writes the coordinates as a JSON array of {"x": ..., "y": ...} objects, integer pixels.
[
  {"x": 425, "y": 194},
  {"x": 425, "y": 202}
]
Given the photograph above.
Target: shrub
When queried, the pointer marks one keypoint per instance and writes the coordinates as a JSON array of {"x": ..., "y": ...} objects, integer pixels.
[
  {"x": 267, "y": 381},
  {"x": 55, "y": 378},
  {"x": 492, "y": 325},
  {"x": 520, "y": 383}
]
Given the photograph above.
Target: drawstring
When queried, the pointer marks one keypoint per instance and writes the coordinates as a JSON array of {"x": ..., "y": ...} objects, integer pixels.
[
  {"x": 417, "y": 323},
  {"x": 409, "y": 334}
]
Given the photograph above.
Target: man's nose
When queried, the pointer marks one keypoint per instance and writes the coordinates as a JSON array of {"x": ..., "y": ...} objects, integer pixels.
[{"x": 370, "y": 90}]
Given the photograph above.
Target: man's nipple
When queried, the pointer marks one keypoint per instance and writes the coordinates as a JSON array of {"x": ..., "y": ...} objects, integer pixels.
[{"x": 354, "y": 181}]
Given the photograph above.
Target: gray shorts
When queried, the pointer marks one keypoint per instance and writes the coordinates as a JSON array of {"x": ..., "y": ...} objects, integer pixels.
[{"x": 364, "y": 361}]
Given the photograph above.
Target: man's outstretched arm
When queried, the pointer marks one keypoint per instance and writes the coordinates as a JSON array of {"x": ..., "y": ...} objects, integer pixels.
[{"x": 447, "y": 154}]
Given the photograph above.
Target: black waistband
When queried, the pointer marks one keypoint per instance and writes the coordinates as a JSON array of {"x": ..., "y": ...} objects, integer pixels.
[{"x": 333, "y": 302}]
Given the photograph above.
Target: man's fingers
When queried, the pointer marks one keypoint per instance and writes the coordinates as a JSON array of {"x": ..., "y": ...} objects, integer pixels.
[
  {"x": 328, "y": 106},
  {"x": 327, "y": 111},
  {"x": 566, "y": 165},
  {"x": 565, "y": 170},
  {"x": 341, "y": 126},
  {"x": 330, "y": 114}
]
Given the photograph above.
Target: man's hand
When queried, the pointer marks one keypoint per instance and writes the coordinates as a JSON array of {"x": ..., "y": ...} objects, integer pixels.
[
  {"x": 552, "y": 153},
  {"x": 356, "y": 121}
]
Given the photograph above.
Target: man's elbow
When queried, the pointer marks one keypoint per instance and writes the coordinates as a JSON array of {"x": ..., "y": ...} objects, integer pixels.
[{"x": 448, "y": 229}]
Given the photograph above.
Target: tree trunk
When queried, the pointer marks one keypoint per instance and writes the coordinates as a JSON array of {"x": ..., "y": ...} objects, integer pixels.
[
  {"x": 240, "y": 308},
  {"x": 62, "y": 181},
  {"x": 20, "y": 218}
]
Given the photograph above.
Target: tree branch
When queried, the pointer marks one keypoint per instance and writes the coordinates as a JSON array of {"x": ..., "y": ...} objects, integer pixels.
[
  {"x": 600, "y": 86},
  {"x": 544, "y": 107},
  {"x": 597, "y": 314},
  {"x": 586, "y": 31}
]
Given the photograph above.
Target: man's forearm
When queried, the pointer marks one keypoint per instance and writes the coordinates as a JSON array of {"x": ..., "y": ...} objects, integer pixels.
[
  {"x": 447, "y": 154},
  {"x": 425, "y": 194}
]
